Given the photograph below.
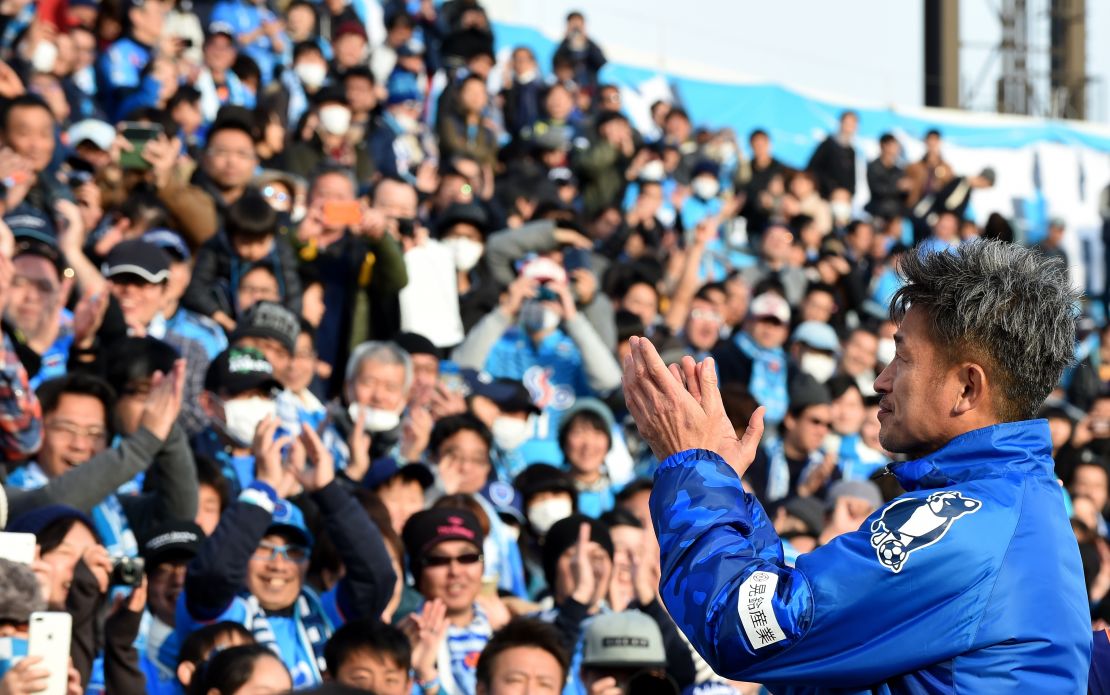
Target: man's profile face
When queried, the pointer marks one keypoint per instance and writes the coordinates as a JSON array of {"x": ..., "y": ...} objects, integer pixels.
[{"x": 917, "y": 391}]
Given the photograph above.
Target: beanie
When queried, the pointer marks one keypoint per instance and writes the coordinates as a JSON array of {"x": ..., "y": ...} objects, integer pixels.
[{"x": 563, "y": 535}]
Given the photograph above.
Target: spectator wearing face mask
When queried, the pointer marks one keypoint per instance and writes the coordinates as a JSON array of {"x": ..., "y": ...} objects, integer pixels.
[
  {"x": 365, "y": 422},
  {"x": 506, "y": 408},
  {"x": 308, "y": 74},
  {"x": 240, "y": 393},
  {"x": 330, "y": 143},
  {"x": 548, "y": 495},
  {"x": 814, "y": 348},
  {"x": 398, "y": 144},
  {"x": 537, "y": 351}
]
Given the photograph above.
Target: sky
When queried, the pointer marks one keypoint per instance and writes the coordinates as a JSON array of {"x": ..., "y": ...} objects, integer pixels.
[{"x": 867, "y": 52}]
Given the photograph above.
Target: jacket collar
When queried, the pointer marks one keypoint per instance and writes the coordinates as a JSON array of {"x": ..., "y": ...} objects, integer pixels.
[{"x": 1024, "y": 446}]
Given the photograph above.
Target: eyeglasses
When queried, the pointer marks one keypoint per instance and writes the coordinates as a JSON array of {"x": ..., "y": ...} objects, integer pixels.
[
  {"x": 267, "y": 552},
  {"x": 444, "y": 560},
  {"x": 72, "y": 432},
  {"x": 818, "y": 422},
  {"x": 275, "y": 195},
  {"x": 41, "y": 285}
]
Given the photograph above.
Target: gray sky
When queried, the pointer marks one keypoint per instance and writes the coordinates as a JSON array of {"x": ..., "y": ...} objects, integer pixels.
[{"x": 864, "y": 51}]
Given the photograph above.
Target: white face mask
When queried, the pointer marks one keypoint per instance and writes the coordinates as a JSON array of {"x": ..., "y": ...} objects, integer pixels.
[
  {"x": 510, "y": 432},
  {"x": 467, "y": 252},
  {"x": 543, "y": 515},
  {"x": 841, "y": 211},
  {"x": 705, "y": 187},
  {"x": 44, "y": 57},
  {"x": 312, "y": 75},
  {"x": 242, "y": 415},
  {"x": 376, "y": 419},
  {"x": 818, "y": 366},
  {"x": 653, "y": 171},
  {"x": 335, "y": 119},
  {"x": 887, "y": 348},
  {"x": 407, "y": 123},
  {"x": 535, "y": 317}
]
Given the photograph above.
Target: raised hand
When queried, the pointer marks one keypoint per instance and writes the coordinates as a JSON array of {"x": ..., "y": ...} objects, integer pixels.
[
  {"x": 700, "y": 381},
  {"x": 582, "y": 570},
  {"x": 321, "y": 472},
  {"x": 646, "y": 570},
  {"x": 163, "y": 402},
  {"x": 358, "y": 443},
  {"x": 416, "y": 432},
  {"x": 266, "y": 448},
  {"x": 26, "y": 677},
  {"x": 426, "y": 631}
]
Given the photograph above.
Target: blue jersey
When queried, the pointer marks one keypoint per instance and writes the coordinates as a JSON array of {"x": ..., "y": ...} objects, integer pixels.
[
  {"x": 552, "y": 372},
  {"x": 119, "y": 73},
  {"x": 244, "y": 18},
  {"x": 970, "y": 582}
]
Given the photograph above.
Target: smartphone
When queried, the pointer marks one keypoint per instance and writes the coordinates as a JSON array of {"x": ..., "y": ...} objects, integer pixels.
[
  {"x": 18, "y": 547},
  {"x": 50, "y": 635},
  {"x": 546, "y": 294},
  {"x": 576, "y": 259},
  {"x": 138, "y": 135},
  {"x": 342, "y": 213}
]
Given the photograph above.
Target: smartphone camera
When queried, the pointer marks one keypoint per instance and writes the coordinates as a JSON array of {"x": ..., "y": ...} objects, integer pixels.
[
  {"x": 127, "y": 571},
  {"x": 406, "y": 226},
  {"x": 546, "y": 294}
]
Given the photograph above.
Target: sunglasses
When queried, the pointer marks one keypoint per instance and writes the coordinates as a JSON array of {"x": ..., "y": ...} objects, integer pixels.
[
  {"x": 444, "y": 560},
  {"x": 297, "y": 554}
]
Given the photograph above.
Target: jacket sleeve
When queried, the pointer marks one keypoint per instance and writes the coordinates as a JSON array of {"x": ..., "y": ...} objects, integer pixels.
[
  {"x": 193, "y": 209},
  {"x": 83, "y": 602},
  {"x": 198, "y": 296},
  {"x": 507, "y": 246},
  {"x": 836, "y": 620},
  {"x": 479, "y": 342},
  {"x": 390, "y": 275},
  {"x": 172, "y": 493},
  {"x": 368, "y": 584},
  {"x": 219, "y": 571},
  {"x": 88, "y": 484},
  {"x": 603, "y": 374},
  {"x": 122, "y": 673},
  {"x": 290, "y": 278}
]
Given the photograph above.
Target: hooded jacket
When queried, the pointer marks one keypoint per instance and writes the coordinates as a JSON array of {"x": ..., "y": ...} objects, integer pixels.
[{"x": 970, "y": 582}]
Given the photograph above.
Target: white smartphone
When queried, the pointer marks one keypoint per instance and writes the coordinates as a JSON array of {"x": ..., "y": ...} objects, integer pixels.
[
  {"x": 50, "y": 635},
  {"x": 17, "y": 547}
]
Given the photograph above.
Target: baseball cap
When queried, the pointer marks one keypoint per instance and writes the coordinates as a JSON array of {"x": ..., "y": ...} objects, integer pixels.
[
  {"x": 36, "y": 244},
  {"x": 169, "y": 241},
  {"x": 384, "y": 469},
  {"x": 809, "y": 511},
  {"x": 817, "y": 335},
  {"x": 269, "y": 320},
  {"x": 31, "y": 223},
  {"x": 416, "y": 344},
  {"x": 427, "y": 529},
  {"x": 173, "y": 541},
  {"x": 402, "y": 87},
  {"x": 806, "y": 391},
  {"x": 238, "y": 370},
  {"x": 92, "y": 130},
  {"x": 770, "y": 305},
  {"x": 217, "y": 28},
  {"x": 510, "y": 395},
  {"x": 627, "y": 639},
  {"x": 288, "y": 520},
  {"x": 463, "y": 213},
  {"x": 139, "y": 258},
  {"x": 861, "y": 489}
]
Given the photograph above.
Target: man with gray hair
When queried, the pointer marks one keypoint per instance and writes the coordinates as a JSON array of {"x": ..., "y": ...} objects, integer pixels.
[
  {"x": 969, "y": 582},
  {"x": 365, "y": 422}
]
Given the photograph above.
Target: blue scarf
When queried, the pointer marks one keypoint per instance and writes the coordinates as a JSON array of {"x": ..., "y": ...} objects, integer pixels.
[
  {"x": 313, "y": 628},
  {"x": 768, "y": 380},
  {"x": 108, "y": 517}
]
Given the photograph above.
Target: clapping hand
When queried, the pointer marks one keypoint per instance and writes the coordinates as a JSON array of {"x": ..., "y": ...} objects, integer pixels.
[
  {"x": 163, "y": 401},
  {"x": 426, "y": 631}
]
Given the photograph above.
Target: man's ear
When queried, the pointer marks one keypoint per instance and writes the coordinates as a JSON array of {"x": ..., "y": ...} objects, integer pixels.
[
  {"x": 974, "y": 388},
  {"x": 185, "y": 671}
]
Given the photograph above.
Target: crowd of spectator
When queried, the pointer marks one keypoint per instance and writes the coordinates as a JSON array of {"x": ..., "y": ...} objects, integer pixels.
[{"x": 317, "y": 308}]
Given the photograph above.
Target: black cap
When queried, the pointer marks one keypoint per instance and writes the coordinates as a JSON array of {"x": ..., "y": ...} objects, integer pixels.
[
  {"x": 269, "y": 320},
  {"x": 139, "y": 258},
  {"x": 416, "y": 344},
  {"x": 238, "y": 370},
  {"x": 427, "y": 529},
  {"x": 387, "y": 468},
  {"x": 35, "y": 244},
  {"x": 463, "y": 213},
  {"x": 175, "y": 541},
  {"x": 805, "y": 391},
  {"x": 564, "y": 534},
  {"x": 510, "y": 395},
  {"x": 809, "y": 511}
]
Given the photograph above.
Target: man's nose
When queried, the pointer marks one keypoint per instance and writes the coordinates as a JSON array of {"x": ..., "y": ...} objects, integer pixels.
[{"x": 884, "y": 381}]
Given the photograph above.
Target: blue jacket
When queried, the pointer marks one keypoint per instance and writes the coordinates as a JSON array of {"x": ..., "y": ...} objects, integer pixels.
[{"x": 970, "y": 582}]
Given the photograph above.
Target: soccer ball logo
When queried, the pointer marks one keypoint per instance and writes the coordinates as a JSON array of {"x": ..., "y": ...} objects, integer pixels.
[{"x": 892, "y": 552}]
